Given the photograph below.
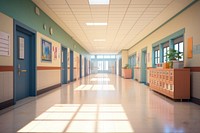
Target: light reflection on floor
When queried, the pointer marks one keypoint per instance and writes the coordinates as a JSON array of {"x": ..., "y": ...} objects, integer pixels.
[
  {"x": 81, "y": 118},
  {"x": 100, "y": 79},
  {"x": 95, "y": 87}
]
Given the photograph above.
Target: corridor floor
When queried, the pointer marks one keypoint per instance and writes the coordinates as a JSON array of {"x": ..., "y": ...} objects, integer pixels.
[{"x": 101, "y": 103}]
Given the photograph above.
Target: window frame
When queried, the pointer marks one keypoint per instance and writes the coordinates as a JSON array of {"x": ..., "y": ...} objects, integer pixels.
[
  {"x": 156, "y": 55},
  {"x": 166, "y": 47},
  {"x": 179, "y": 41}
]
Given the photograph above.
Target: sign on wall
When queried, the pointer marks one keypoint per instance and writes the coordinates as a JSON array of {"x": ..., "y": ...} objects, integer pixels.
[{"x": 4, "y": 44}]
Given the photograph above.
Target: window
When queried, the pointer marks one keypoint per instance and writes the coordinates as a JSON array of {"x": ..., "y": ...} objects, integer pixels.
[
  {"x": 165, "y": 51},
  {"x": 178, "y": 45},
  {"x": 112, "y": 56},
  {"x": 92, "y": 56},
  {"x": 99, "y": 56},
  {"x": 156, "y": 55},
  {"x": 107, "y": 56}
]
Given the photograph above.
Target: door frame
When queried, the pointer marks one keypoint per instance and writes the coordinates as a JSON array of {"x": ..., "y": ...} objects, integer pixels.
[
  {"x": 143, "y": 79},
  {"x": 85, "y": 65},
  {"x": 66, "y": 65},
  {"x": 18, "y": 26},
  {"x": 80, "y": 66},
  {"x": 71, "y": 66},
  {"x": 133, "y": 63}
]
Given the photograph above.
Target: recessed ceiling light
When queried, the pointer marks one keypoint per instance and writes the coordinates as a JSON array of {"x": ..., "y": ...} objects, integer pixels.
[
  {"x": 96, "y": 24},
  {"x": 99, "y": 2},
  {"x": 99, "y": 40}
]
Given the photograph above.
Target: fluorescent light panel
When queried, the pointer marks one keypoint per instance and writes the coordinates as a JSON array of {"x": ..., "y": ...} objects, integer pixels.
[
  {"x": 96, "y": 24},
  {"x": 99, "y": 2}
]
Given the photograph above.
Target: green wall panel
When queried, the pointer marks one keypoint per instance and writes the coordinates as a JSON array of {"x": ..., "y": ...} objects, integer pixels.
[{"x": 24, "y": 12}]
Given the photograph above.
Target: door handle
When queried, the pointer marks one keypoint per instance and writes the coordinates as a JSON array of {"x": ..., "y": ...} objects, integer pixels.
[{"x": 23, "y": 71}]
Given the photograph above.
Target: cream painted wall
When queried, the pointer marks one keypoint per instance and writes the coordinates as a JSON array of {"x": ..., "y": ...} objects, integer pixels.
[
  {"x": 83, "y": 66},
  {"x": 55, "y": 62},
  {"x": 47, "y": 78},
  {"x": 68, "y": 64},
  {"x": 6, "y": 86},
  {"x": 124, "y": 58},
  {"x": 75, "y": 65},
  {"x": 190, "y": 20},
  {"x": 6, "y": 25},
  {"x": 6, "y": 78}
]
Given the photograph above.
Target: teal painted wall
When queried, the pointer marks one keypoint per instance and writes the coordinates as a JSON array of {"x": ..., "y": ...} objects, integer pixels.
[{"x": 24, "y": 12}]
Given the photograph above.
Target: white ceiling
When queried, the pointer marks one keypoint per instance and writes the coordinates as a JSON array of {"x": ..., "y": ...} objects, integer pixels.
[{"x": 129, "y": 21}]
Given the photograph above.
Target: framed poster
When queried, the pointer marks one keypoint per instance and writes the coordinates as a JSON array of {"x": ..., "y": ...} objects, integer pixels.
[{"x": 46, "y": 51}]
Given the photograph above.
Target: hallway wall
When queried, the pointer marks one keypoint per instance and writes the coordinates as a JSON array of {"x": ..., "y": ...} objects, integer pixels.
[
  {"x": 48, "y": 73},
  {"x": 6, "y": 62},
  {"x": 189, "y": 21}
]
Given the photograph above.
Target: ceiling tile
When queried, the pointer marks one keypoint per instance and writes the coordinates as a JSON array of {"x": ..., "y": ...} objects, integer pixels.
[
  {"x": 161, "y": 1},
  {"x": 57, "y": 2},
  {"x": 141, "y": 2},
  {"x": 128, "y": 20},
  {"x": 120, "y": 2},
  {"x": 77, "y": 2}
]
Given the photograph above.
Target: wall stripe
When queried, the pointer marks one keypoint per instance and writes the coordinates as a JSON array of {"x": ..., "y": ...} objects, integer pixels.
[
  {"x": 6, "y": 68},
  {"x": 48, "y": 68},
  {"x": 194, "y": 69}
]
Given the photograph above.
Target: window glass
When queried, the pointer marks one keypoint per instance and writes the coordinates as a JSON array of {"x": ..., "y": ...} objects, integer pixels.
[
  {"x": 112, "y": 56},
  {"x": 92, "y": 56},
  {"x": 99, "y": 56},
  {"x": 181, "y": 47},
  {"x": 106, "y": 56},
  {"x": 176, "y": 47},
  {"x": 156, "y": 56}
]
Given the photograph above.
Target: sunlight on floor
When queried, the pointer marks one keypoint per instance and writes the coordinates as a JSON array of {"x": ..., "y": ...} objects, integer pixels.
[
  {"x": 100, "y": 79},
  {"x": 81, "y": 118},
  {"x": 95, "y": 87}
]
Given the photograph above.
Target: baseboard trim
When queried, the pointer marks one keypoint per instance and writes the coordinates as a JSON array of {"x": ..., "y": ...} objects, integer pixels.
[
  {"x": 6, "y": 104},
  {"x": 195, "y": 100},
  {"x": 48, "y": 89}
]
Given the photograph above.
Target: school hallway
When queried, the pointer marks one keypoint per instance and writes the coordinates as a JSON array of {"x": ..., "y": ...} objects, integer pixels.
[{"x": 101, "y": 103}]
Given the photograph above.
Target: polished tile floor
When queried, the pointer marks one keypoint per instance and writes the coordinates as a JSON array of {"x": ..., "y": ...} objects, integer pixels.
[{"x": 101, "y": 103}]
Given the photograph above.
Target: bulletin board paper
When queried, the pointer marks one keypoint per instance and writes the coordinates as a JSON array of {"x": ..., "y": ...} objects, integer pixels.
[
  {"x": 189, "y": 47},
  {"x": 4, "y": 44}
]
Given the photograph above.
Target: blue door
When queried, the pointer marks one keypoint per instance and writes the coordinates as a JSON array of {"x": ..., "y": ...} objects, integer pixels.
[
  {"x": 85, "y": 67},
  {"x": 144, "y": 67},
  {"x": 120, "y": 67},
  {"x": 22, "y": 64},
  {"x": 80, "y": 66},
  {"x": 71, "y": 66},
  {"x": 64, "y": 65}
]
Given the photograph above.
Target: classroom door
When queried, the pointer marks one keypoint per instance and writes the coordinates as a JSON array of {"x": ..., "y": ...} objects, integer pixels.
[
  {"x": 64, "y": 65},
  {"x": 24, "y": 82}
]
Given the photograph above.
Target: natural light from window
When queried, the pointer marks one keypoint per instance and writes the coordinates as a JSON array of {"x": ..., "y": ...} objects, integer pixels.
[
  {"x": 95, "y": 88},
  {"x": 76, "y": 118},
  {"x": 100, "y": 79}
]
